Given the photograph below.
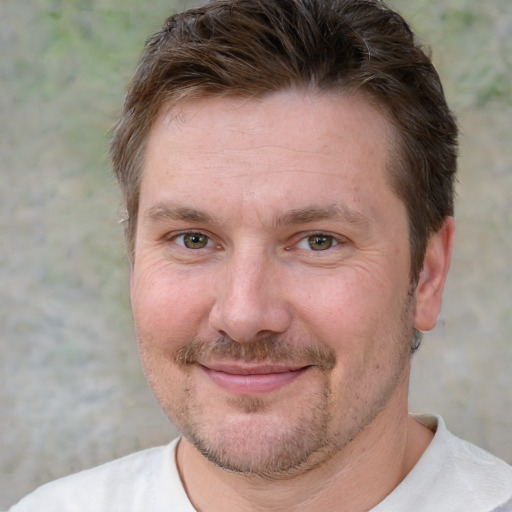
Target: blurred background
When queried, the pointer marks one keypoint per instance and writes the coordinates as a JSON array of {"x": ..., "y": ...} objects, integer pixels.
[{"x": 72, "y": 394}]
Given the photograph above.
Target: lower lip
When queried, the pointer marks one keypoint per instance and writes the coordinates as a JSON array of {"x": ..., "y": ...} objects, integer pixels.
[{"x": 253, "y": 384}]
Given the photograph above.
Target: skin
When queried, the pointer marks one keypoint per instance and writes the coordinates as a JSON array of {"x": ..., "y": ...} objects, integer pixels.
[{"x": 272, "y": 301}]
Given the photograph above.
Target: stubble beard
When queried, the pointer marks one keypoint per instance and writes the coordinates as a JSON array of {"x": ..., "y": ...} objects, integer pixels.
[
  {"x": 263, "y": 444},
  {"x": 269, "y": 448},
  {"x": 259, "y": 442}
]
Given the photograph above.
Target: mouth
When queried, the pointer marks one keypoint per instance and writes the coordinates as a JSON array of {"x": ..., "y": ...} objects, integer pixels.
[{"x": 251, "y": 379}]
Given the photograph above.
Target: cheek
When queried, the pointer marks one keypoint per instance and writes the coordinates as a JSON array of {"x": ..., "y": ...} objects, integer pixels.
[
  {"x": 170, "y": 306},
  {"x": 342, "y": 293},
  {"x": 350, "y": 306}
]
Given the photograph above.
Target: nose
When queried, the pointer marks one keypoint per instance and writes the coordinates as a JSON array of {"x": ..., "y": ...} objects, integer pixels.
[{"x": 250, "y": 300}]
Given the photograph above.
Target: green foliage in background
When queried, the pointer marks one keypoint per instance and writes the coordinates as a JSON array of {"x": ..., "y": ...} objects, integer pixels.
[
  {"x": 76, "y": 56},
  {"x": 472, "y": 46},
  {"x": 69, "y": 366},
  {"x": 69, "y": 62},
  {"x": 79, "y": 54}
]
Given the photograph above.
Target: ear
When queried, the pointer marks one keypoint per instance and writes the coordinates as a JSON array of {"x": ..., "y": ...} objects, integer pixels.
[{"x": 429, "y": 291}]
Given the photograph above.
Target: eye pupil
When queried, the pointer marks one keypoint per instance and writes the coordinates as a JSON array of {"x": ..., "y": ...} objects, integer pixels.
[
  {"x": 195, "y": 241},
  {"x": 320, "y": 242}
]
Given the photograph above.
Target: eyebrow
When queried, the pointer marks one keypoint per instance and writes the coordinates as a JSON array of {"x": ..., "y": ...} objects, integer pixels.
[
  {"x": 161, "y": 212},
  {"x": 337, "y": 212}
]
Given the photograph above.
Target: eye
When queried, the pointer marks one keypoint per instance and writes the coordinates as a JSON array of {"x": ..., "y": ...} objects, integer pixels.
[
  {"x": 317, "y": 242},
  {"x": 193, "y": 240}
]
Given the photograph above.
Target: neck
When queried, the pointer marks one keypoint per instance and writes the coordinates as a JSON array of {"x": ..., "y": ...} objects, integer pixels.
[{"x": 355, "y": 479}]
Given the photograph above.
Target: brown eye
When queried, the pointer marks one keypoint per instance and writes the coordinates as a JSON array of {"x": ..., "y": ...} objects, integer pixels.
[
  {"x": 193, "y": 240},
  {"x": 320, "y": 242}
]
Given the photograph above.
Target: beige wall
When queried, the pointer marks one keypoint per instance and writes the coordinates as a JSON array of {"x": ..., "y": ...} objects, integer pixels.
[{"x": 71, "y": 391}]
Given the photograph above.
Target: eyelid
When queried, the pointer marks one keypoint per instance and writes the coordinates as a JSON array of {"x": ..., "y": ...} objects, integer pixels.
[
  {"x": 297, "y": 239},
  {"x": 172, "y": 237},
  {"x": 302, "y": 237}
]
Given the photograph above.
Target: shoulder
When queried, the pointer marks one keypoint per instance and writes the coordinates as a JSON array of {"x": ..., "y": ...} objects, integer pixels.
[
  {"x": 467, "y": 464},
  {"x": 475, "y": 477},
  {"x": 479, "y": 477},
  {"x": 453, "y": 475},
  {"x": 124, "y": 484}
]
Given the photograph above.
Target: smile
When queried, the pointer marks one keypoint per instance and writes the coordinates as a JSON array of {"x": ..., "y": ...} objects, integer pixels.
[{"x": 252, "y": 379}]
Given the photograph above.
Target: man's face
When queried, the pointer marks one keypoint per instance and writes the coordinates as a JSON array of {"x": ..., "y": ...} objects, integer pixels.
[{"x": 270, "y": 286}]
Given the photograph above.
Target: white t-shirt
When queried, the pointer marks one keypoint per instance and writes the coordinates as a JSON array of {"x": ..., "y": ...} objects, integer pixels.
[{"x": 451, "y": 476}]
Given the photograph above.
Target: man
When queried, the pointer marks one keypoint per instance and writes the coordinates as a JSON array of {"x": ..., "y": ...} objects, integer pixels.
[{"x": 288, "y": 172}]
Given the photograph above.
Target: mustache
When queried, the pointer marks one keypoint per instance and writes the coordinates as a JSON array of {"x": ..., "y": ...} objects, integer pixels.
[{"x": 266, "y": 349}]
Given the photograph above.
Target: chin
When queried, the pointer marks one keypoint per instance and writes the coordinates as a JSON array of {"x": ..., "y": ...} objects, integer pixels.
[{"x": 256, "y": 441}]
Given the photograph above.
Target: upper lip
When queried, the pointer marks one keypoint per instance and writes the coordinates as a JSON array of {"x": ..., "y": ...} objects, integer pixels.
[{"x": 252, "y": 369}]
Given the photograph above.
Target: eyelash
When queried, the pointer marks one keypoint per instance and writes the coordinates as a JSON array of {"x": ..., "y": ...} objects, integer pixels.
[
  {"x": 316, "y": 238},
  {"x": 332, "y": 240},
  {"x": 191, "y": 234}
]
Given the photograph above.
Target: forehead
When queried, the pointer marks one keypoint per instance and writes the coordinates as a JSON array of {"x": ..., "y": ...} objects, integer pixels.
[
  {"x": 279, "y": 147},
  {"x": 294, "y": 112}
]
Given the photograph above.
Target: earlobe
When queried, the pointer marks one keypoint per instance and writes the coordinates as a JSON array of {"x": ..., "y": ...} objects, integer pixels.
[{"x": 429, "y": 291}]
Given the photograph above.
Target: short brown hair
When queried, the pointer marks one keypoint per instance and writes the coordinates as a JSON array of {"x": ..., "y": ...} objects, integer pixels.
[{"x": 255, "y": 47}]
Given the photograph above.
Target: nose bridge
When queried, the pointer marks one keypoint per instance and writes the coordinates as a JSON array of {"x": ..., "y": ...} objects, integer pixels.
[
  {"x": 247, "y": 272},
  {"x": 249, "y": 300}
]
